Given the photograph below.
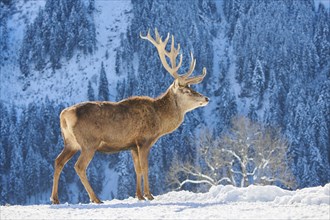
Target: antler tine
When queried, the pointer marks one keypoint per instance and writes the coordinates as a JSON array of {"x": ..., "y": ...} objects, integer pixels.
[
  {"x": 161, "y": 48},
  {"x": 145, "y": 37},
  {"x": 149, "y": 38},
  {"x": 191, "y": 68},
  {"x": 166, "y": 39},
  {"x": 173, "y": 49},
  {"x": 172, "y": 55},
  {"x": 197, "y": 79},
  {"x": 158, "y": 38}
]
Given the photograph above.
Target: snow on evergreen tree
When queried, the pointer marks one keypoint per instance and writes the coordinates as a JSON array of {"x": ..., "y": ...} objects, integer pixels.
[
  {"x": 32, "y": 172},
  {"x": 120, "y": 88},
  {"x": 226, "y": 106},
  {"x": 258, "y": 82},
  {"x": 126, "y": 179},
  {"x": 95, "y": 174},
  {"x": 59, "y": 29},
  {"x": 24, "y": 53},
  {"x": 39, "y": 49},
  {"x": 90, "y": 92},
  {"x": 5, "y": 124},
  {"x": 4, "y": 35},
  {"x": 16, "y": 181},
  {"x": 4, "y": 152},
  {"x": 322, "y": 36},
  {"x": 103, "y": 94}
]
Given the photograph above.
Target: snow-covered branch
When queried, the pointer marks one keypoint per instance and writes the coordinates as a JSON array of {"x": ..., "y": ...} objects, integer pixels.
[
  {"x": 248, "y": 154},
  {"x": 193, "y": 182}
]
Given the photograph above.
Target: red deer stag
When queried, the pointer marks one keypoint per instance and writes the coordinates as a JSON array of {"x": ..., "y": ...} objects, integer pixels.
[{"x": 133, "y": 124}]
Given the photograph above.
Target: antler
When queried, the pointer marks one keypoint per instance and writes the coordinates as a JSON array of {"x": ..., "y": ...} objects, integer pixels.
[{"x": 172, "y": 55}]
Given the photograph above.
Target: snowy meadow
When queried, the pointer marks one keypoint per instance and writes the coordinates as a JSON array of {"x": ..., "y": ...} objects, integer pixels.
[{"x": 221, "y": 202}]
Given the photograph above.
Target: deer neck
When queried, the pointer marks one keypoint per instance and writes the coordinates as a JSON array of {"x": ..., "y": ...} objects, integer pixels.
[{"x": 169, "y": 111}]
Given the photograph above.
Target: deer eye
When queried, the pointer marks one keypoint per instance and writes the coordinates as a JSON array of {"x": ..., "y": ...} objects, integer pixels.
[{"x": 186, "y": 91}]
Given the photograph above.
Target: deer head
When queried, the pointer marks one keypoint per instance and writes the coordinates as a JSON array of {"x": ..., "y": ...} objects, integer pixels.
[{"x": 186, "y": 97}]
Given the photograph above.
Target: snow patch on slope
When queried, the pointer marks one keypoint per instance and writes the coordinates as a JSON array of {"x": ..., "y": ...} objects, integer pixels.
[{"x": 69, "y": 84}]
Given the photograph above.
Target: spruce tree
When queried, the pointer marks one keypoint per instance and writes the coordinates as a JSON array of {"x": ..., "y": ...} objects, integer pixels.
[
  {"x": 103, "y": 85},
  {"x": 90, "y": 92}
]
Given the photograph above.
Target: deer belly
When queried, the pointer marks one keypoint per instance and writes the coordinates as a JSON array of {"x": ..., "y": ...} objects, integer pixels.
[{"x": 113, "y": 148}]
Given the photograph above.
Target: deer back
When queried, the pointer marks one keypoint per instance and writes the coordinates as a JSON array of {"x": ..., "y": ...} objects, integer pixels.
[{"x": 112, "y": 125}]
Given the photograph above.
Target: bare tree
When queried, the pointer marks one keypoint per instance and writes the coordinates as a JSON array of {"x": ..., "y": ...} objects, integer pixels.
[{"x": 248, "y": 154}]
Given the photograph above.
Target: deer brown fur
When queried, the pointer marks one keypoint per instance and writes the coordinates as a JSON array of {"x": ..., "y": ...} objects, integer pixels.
[{"x": 133, "y": 124}]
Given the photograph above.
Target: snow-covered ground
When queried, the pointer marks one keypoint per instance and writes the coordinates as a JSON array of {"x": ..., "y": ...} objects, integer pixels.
[{"x": 221, "y": 202}]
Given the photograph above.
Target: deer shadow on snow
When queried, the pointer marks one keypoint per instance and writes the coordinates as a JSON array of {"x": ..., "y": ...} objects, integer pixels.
[{"x": 178, "y": 206}]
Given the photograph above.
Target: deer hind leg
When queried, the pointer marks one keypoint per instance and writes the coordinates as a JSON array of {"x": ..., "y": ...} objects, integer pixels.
[
  {"x": 143, "y": 156},
  {"x": 138, "y": 172},
  {"x": 66, "y": 154},
  {"x": 80, "y": 167}
]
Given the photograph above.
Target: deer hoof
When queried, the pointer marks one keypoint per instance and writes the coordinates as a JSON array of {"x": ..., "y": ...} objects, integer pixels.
[
  {"x": 97, "y": 201},
  {"x": 55, "y": 201},
  {"x": 140, "y": 197},
  {"x": 149, "y": 197}
]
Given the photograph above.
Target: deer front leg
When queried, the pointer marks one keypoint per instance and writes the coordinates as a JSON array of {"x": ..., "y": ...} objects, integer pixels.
[
  {"x": 80, "y": 167},
  {"x": 137, "y": 167},
  {"x": 143, "y": 156}
]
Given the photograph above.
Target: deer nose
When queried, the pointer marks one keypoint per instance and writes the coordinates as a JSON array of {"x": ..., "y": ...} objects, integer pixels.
[{"x": 207, "y": 99}]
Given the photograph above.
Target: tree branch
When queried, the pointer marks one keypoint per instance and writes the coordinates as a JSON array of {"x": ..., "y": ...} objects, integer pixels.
[{"x": 194, "y": 182}]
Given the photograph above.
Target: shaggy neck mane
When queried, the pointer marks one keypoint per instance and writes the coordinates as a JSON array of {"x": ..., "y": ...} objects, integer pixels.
[{"x": 169, "y": 110}]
